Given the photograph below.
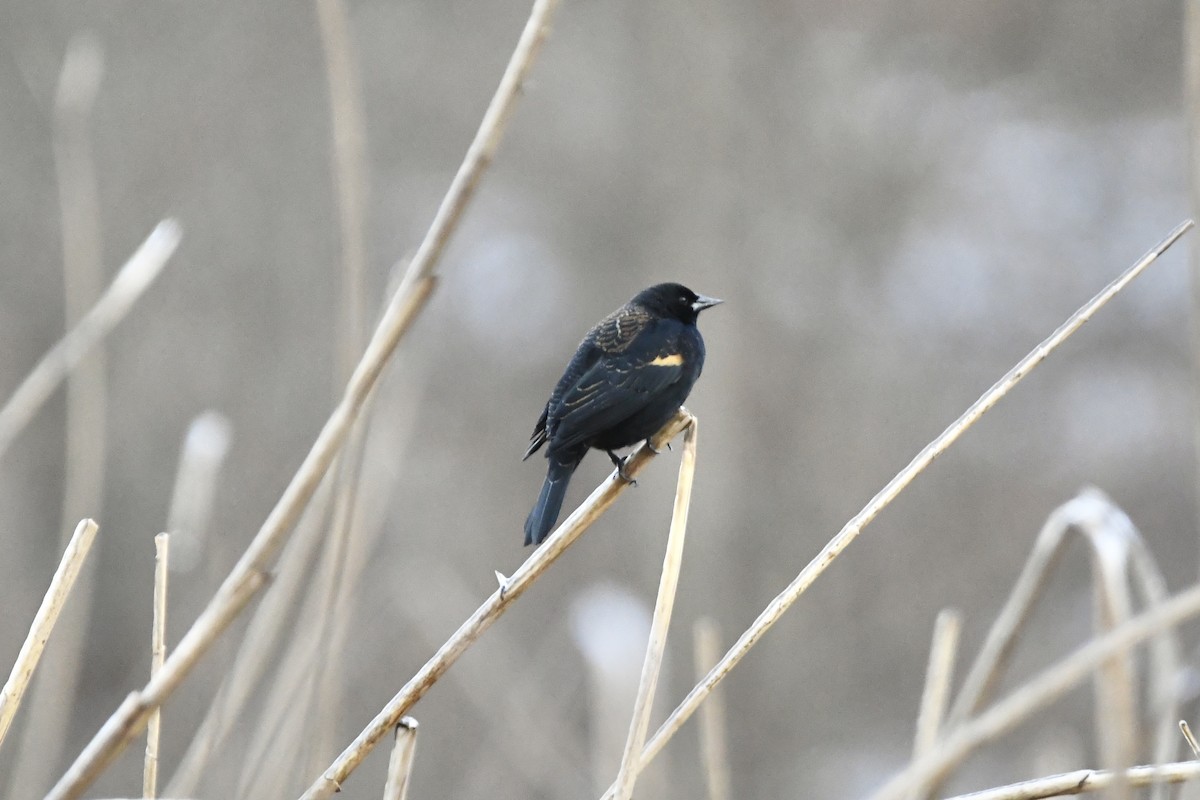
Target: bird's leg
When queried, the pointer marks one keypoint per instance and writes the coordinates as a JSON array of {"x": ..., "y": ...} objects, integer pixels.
[{"x": 619, "y": 463}]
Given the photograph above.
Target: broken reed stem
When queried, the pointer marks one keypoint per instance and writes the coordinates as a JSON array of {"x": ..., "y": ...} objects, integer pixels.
[
  {"x": 249, "y": 573},
  {"x": 1044, "y": 689},
  {"x": 400, "y": 765},
  {"x": 138, "y": 273},
  {"x": 1186, "y": 730},
  {"x": 1084, "y": 781},
  {"x": 43, "y": 622},
  {"x": 939, "y": 674},
  {"x": 546, "y": 554},
  {"x": 784, "y": 600},
  {"x": 713, "y": 749},
  {"x": 661, "y": 622},
  {"x": 158, "y": 652}
]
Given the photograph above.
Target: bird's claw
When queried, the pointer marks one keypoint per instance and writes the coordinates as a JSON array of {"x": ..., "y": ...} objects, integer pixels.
[
  {"x": 619, "y": 463},
  {"x": 650, "y": 446}
]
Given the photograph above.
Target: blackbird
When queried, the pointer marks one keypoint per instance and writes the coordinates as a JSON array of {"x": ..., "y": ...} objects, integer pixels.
[{"x": 628, "y": 377}]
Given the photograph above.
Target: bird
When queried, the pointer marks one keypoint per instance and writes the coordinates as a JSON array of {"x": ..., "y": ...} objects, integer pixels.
[{"x": 628, "y": 377}]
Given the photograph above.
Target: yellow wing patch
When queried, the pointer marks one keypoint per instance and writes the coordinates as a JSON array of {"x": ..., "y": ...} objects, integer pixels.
[{"x": 673, "y": 360}]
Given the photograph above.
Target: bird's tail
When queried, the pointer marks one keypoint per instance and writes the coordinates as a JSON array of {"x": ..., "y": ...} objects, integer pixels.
[{"x": 545, "y": 511}]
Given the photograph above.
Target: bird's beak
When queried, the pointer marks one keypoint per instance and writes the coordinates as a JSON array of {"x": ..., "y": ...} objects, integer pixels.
[{"x": 703, "y": 302}]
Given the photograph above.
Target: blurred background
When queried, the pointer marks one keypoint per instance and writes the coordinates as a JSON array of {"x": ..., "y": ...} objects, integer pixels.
[{"x": 897, "y": 201}]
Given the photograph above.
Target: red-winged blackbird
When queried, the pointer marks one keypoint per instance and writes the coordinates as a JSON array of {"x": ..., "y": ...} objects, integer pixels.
[{"x": 629, "y": 376}]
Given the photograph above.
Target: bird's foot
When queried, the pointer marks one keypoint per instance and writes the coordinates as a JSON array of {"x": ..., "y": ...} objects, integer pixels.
[
  {"x": 653, "y": 449},
  {"x": 619, "y": 463}
]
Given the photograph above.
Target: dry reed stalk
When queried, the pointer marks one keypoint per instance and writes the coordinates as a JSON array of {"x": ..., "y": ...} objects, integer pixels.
[
  {"x": 50, "y": 701},
  {"x": 401, "y": 763},
  {"x": 347, "y": 120},
  {"x": 469, "y": 632},
  {"x": 248, "y": 575},
  {"x": 784, "y": 600},
  {"x": 1188, "y": 737},
  {"x": 158, "y": 653},
  {"x": 79, "y": 204},
  {"x": 1043, "y": 689},
  {"x": 714, "y": 752},
  {"x": 1165, "y": 659},
  {"x": 201, "y": 457},
  {"x": 939, "y": 675},
  {"x": 138, "y": 273},
  {"x": 1084, "y": 781},
  {"x": 661, "y": 622},
  {"x": 1116, "y": 719},
  {"x": 43, "y": 622}
]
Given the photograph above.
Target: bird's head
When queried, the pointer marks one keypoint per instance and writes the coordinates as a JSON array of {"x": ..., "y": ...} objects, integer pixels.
[{"x": 674, "y": 301}]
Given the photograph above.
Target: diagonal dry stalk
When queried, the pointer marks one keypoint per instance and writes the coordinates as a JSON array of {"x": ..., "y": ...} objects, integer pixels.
[
  {"x": 1045, "y": 688},
  {"x": 1085, "y": 781},
  {"x": 134, "y": 278},
  {"x": 663, "y": 606},
  {"x": 939, "y": 675},
  {"x": 713, "y": 750},
  {"x": 248, "y": 575},
  {"x": 43, "y": 622},
  {"x": 469, "y": 632},
  {"x": 784, "y": 600},
  {"x": 401, "y": 763},
  {"x": 158, "y": 652}
]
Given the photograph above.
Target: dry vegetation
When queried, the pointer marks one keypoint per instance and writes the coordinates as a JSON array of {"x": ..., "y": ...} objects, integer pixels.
[{"x": 313, "y": 548}]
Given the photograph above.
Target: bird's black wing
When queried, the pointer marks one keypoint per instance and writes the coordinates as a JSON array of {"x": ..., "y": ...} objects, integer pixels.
[{"x": 618, "y": 385}]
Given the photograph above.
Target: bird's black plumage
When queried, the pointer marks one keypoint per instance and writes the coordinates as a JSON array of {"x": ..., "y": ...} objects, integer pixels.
[{"x": 630, "y": 374}]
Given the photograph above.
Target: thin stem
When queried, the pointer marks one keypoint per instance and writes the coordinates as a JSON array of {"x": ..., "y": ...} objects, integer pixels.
[
  {"x": 158, "y": 652},
  {"x": 939, "y": 674},
  {"x": 347, "y": 119},
  {"x": 784, "y": 600},
  {"x": 401, "y": 763},
  {"x": 43, "y": 622},
  {"x": 714, "y": 751},
  {"x": 1084, "y": 781},
  {"x": 1188, "y": 737},
  {"x": 134, "y": 278},
  {"x": 661, "y": 622}
]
